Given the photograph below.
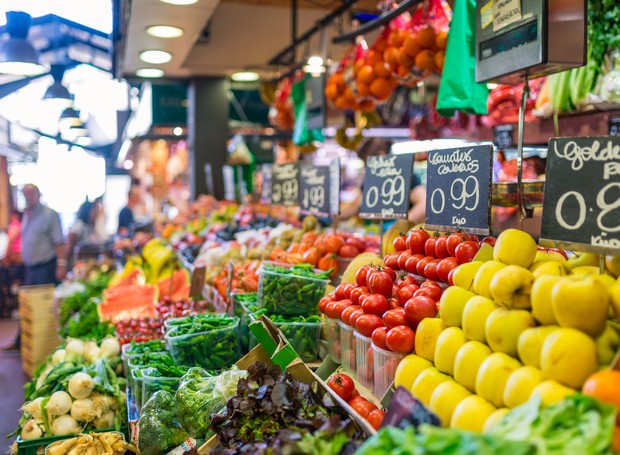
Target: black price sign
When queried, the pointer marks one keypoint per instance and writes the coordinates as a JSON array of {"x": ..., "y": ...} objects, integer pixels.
[
  {"x": 284, "y": 184},
  {"x": 614, "y": 125},
  {"x": 265, "y": 196},
  {"x": 387, "y": 182},
  {"x": 458, "y": 189},
  {"x": 503, "y": 136},
  {"x": 581, "y": 208},
  {"x": 314, "y": 190}
]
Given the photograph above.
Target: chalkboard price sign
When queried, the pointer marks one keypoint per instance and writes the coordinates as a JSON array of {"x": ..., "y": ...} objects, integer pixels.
[
  {"x": 581, "y": 209},
  {"x": 314, "y": 189},
  {"x": 285, "y": 185},
  {"x": 387, "y": 182},
  {"x": 614, "y": 125},
  {"x": 503, "y": 136},
  {"x": 458, "y": 189}
]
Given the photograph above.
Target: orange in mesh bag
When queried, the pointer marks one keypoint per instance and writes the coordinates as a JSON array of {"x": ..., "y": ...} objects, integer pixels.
[{"x": 281, "y": 114}]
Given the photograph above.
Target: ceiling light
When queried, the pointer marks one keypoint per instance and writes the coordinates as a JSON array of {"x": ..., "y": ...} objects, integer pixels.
[
  {"x": 69, "y": 117},
  {"x": 177, "y": 131},
  {"x": 17, "y": 55},
  {"x": 58, "y": 93},
  {"x": 155, "y": 57},
  {"x": 164, "y": 31},
  {"x": 76, "y": 131},
  {"x": 245, "y": 76},
  {"x": 149, "y": 72},
  {"x": 180, "y": 2},
  {"x": 315, "y": 60},
  {"x": 492, "y": 86}
]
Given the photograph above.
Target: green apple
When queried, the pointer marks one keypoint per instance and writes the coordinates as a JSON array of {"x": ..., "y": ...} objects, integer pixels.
[
  {"x": 515, "y": 247},
  {"x": 475, "y": 314},
  {"x": 568, "y": 356},
  {"x": 451, "y": 305},
  {"x": 467, "y": 362},
  {"x": 471, "y": 414},
  {"x": 511, "y": 287},
  {"x": 493, "y": 376},
  {"x": 504, "y": 327},
  {"x": 463, "y": 276},
  {"x": 445, "y": 399},
  {"x": 607, "y": 345},
  {"x": 531, "y": 342},
  {"x": 520, "y": 385},
  {"x": 426, "y": 383},
  {"x": 448, "y": 344},
  {"x": 542, "y": 268},
  {"x": 482, "y": 280},
  {"x": 426, "y": 336},
  {"x": 540, "y": 297},
  {"x": 581, "y": 302}
]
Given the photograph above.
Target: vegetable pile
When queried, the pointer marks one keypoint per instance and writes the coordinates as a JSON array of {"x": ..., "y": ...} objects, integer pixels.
[
  {"x": 108, "y": 443},
  {"x": 169, "y": 308},
  {"x": 143, "y": 329},
  {"x": 159, "y": 428}
]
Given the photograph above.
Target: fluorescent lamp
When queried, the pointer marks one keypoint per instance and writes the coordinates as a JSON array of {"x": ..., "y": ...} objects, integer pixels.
[
  {"x": 155, "y": 57},
  {"x": 245, "y": 76},
  {"x": 149, "y": 72},
  {"x": 164, "y": 31}
]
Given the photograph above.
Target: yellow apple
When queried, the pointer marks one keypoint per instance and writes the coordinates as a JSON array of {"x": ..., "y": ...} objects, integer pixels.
[
  {"x": 531, "y": 342},
  {"x": 569, "y": 357},
  {"x": 583, "y": 259},
  {"x": 511, "y": 287},
  {"x": 471, "y": 414},
  {"x": 475, "y": 314},
  {"x": 614, "y": 292},
  {"x": 551, "y": 392},
  {"x": 541, "y": 299},
  {"x": 426, "y": 383},
  {"x": 467, "y": 363},
  {"x": 494, "y": 418},
  {"x": 485, "y": 253},
  {"x": 451, "y": 305},
  {"x": 445, "y": 399},
  {"x": 463, "y": 275},
  {"x": 426, "y": 337},
  {"x": 607, "y": 345},
  {"x": 546, "y": 256},
  {"x": 520, "y": 385},
  {"x": 612, "y": 264},
  {"x": 515, "y": 247},
  {"x": 493, "y": 375},
  {"x": 504, "y": 327},
  {"x": 409, "y": 369},
  {"x": 543, "y": 268},
  {"x": 448, "y": 344},
  {"x": 581, "y": 302},
  {"x": 482, "y": 280}
]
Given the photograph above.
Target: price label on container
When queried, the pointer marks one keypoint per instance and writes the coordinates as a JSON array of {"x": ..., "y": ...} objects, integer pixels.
[
  {"x": 458, "y": 189},
  {"x": 581, "y": 209},
  {"x": 265, "y": 196},
  {"x": 503, "y": 136},
  {"x": 314, "y": 189},
  {"x": 614, "y": 125},
  {"x": 285, "y": 185},
  {"x": 387, "y": 182}
]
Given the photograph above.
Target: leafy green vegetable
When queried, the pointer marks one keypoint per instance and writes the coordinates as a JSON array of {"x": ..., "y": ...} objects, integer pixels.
[
  {"x": 603, "y": 30},
  {"x": 159, "y": 428}
]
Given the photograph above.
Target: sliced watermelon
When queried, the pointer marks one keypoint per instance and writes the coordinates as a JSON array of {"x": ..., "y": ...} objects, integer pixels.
[
  {"x": 173, "y": 284},
  {"x": 130, "y": 301},
  {"x": 135, "y": 276}
]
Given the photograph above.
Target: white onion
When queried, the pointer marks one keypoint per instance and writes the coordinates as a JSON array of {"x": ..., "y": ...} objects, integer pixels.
[
  {"x": 91, "y": 352},
  {"x": 59, "y": 356},
  {"x": 59, "y": 403},
  {"x": 103, "y": 402},
  {"x": 34, "y": 408},
  {"x": 31, "y": 431},
  {"x": 65, "y": 425},
  {"x": 75, "y": 349},
  {"x": 80, "y": 385},
  {"x": 110, "y": 348},
  {"x": 83, "y": 410},
  {"x": 105, "y": 421},
  {"x": 42, "y": 376}
]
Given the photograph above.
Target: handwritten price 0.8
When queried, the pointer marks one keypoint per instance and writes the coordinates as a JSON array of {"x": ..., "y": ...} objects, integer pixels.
[
  {"x": 602, "y": 203},
  {"x": 392, "y": 193},
  {"x": 465, "y": 193},
  {"x": 314, "y": 198},
  {"x": 286, "y": 191}
]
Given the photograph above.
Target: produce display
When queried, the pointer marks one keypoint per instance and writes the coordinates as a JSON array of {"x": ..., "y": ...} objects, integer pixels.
[{"x": 108, "y": 443}]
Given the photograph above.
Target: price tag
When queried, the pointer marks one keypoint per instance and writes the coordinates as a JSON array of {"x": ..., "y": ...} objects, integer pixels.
[
  {"x": 334, "y": 189},
  {"x": 314, "y": 186},
  {"x": 614, "y": 125},
  {"x": 458, "y": 189},
  {"x": 503, "y": 136},
  {"x": 581, "y": 209},
  {"x": 285, "y": 185},
  {"x": 265, "y": 196},
  {"x": 387, "y": 182}
]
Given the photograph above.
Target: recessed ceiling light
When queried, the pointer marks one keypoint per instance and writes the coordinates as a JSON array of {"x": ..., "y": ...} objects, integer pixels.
[
  {"x": 149, "y": 72},
  {"x": 164, "y": 31},
  {"x": 245, "y": 76},
  {"x": 155, "y": 57},
  {"x": 177, "y": 131},
  {"x": 180, "y": 2}
]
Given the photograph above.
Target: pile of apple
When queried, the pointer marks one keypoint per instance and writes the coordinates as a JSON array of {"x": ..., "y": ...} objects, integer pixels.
[{"x": 523, "y": 322}]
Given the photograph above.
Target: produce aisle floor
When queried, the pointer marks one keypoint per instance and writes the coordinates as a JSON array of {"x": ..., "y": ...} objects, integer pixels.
[{"x": 12, "y": 378}]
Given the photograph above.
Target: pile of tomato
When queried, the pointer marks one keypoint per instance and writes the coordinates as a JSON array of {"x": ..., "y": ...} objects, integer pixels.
[
  {"x": 168, "y": 308},
  {"x": 140, "y": 330},
  {"x": 344, "y": 387}
]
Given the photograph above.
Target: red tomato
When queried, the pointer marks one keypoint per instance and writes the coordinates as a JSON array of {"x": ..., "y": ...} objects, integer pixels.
[
  {"x": 395, "y": 317},
  {"x": 325, "y": 300},
  {"x": 339, "y": 307},
  {"x": 422, "y": 263},
  {"x": 357, "y": 243},
  {"x": 400, "y": 243},
  {"x": 430, "y": 284},
  {"x": 402, "y": 259},
  {"x": 450, "y": 278},
  {"x": 430, "y": 271},
  {"x": 364, "y": 408},
  {"x": 333, "y": 243},
  {"x": 445, "y": 266},
  {"x": 466, "y": 251},
  {"x": 400, "y": 339},
  {"x": 357, "y": 293},
  {"x": 434, "y": 292},
  {"x": 406, "y": 292},
  {"x": 360, "y": 275},
  {"x": 416, "y": 240},
  {"x": 356, "y": 393},
  {"x": 354, "y": 315},
  {"x": 378, "y": 337},
  {"x": 390, "y": 271},
  {"x": 348, "y": 251},
  {"x": 454, "y": 240},
  {"x": 380, "y": 282},
  {"x": 393, "y": 303},
  {"x": 375, "y": 304},
  {"x": 441, "y": 247},
  {"x": 429, "y": 247},
  {"x": 490, "y": 240},
  {"x": 346, "y": 313},
  {"x": 420, "y": 307},
  {"x": 408, "y": 279},
  {"x": 342, "y": 385},
  {"x": 356, "y": 399},
  {"x": 391, "y": 260},
  {"x": 412, "y": 262},
  {"x": 343, "y": 291},
  {"x": 329, "y": 309},
  {"x": 375, "y": 418},
  {"x": 366, "y": 323}
]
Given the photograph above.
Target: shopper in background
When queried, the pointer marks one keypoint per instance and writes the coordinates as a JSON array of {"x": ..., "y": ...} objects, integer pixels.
[
  {"x": 126, "y": 217},
  {"x": 89, "y": 227},
  {"x": 14, "y": 247},
  {"x": 43, "y": 246}
]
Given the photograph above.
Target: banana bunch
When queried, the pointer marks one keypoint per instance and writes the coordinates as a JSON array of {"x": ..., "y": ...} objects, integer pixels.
[{"x": 159, "y": 260}]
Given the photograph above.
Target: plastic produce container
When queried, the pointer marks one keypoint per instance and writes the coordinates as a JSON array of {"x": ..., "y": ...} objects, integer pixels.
[
  {"x": 126, "y": 354},
  {"x": 303, "y": 337},
  {"x": 333, "y": 339},
  {"x": 152, "y": 382},
  {"x": 364, "y": 357},
  {"x": 140, "y": 361},
  {"x": 137, "y": 376},
  {"x": 211, "y": 350},
  {"x": 289, "y": 294},
  {"x": 347, "y": 345},
  {"x": 385, "y": 364}
]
